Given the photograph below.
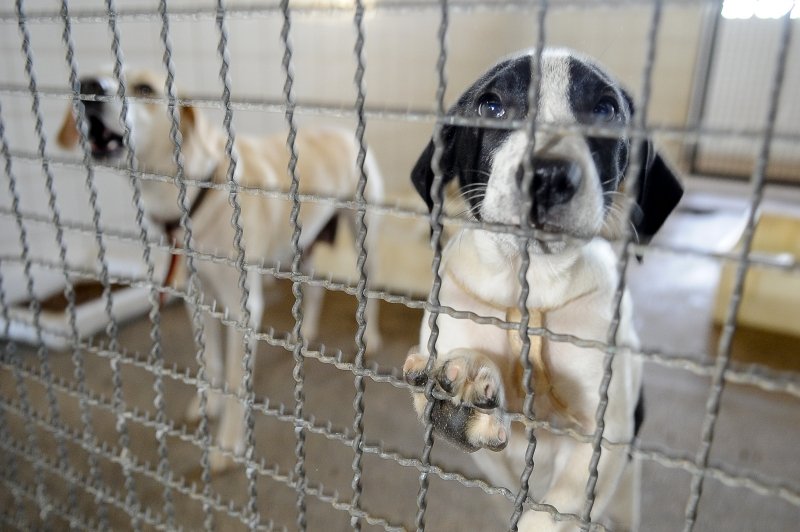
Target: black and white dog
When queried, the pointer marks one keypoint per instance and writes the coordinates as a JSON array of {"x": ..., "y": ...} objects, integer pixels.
[{"x": 576, "y": 190}]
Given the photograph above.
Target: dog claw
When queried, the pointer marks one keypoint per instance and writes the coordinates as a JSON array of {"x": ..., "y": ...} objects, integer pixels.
[
  {"x": 416, "y": 378},
  {"x": 414, "y": 370},
  {"x": 487, "y": 398},
  {"x": 449, "y": 376},
  {"x": 451, "y": 372}
]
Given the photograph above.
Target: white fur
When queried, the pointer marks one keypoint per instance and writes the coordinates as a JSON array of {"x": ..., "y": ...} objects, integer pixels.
[
  {"x": 573, "y": 287},
  {"x": 326, "y": 167},
  {"x": 579, "y": 286}
]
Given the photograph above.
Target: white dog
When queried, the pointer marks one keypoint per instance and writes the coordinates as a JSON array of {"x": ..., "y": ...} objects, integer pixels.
[
  {"x": 575, "y": 190},
  {"x": 326, "y": 167}
]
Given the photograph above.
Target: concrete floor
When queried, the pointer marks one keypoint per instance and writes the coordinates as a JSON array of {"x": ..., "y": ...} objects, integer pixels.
[{"x": 757, "y": 430}]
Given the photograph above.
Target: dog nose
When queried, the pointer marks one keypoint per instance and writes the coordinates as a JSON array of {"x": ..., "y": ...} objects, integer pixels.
[
  {"x": 92, "y": 86},
  {"x": 555, "y": 182}
]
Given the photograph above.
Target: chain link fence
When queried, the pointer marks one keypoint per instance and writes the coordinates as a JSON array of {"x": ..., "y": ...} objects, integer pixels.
[{"x": 113, "y": 455}]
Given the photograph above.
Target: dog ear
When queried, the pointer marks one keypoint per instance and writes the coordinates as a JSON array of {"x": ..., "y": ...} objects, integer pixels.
[
  {"x": 189, "y": 120},
  {"x": 202, "y": 146},
  {"x": 422, "y": 173},
  {"x": 659, "y": 191},
  {"x": 68, "y": 135}
]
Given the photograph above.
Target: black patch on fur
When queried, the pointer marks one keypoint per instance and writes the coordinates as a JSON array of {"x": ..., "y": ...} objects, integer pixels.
[
  {"x": 467, "y": 150},
  {"x": 488, "y": 402},
  {"x": 658, "y": 188},
  {"x": 588, "y": 86},
  {"x": 659, "y": 192},
  {"x": 451, "y": 422},
  {"x": 638, "y": 413},
  {"x": 328, "y": 233},
  {"x": 416, "y": 378},
  {"x": 638, "y": 417}
]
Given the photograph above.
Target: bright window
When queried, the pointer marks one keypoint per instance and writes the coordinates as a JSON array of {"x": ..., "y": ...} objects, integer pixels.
[{"x": 744, "y": 9}]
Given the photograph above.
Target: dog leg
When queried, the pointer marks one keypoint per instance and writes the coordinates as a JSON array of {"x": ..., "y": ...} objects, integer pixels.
[
  {"x": 230, "y": 435},
  {"x": 312, "y": 310},
  {"x": 214, "y": 370},
  {"x": 372, "y": 335},
  {"x": 469, "y": 416},
  {"x": 623, "y": 508},
  {"x": 568, "y": 486}
]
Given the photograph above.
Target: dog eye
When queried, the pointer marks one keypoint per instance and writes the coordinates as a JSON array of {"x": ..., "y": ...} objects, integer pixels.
[
  {"x": 605, "y": 110},
  {"x": 143, "y": 89},
  {"x": 490, "y": 106}
]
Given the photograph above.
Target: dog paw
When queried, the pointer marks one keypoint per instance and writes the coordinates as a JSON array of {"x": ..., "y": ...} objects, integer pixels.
[
  {"x": 214, "y": 403},
  {"x": 220, "y": 463},
  {"x": 467, "y": 393}
]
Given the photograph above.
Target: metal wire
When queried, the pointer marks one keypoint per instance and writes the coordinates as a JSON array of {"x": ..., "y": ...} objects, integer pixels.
[
  {"x": 361, "y": 262},
  {"x": 42, "y": 352},
  {"x": 332, "y": 8},
  {"x": 10, "y": 348},
  {"x": 177, "y": 158},
  {"x": 297, "y": 312},
  {"x": 754, "y": 374},
  {"x": 54, "y": 509},
  {"x": 280, "y": 413},
  {"x": 179, "y": 485},
  {"x": 661, "y": 455},
  {"x": 668, "y": 459},
  {"x": 131, "y": 498},
  {"x": 691, "y": 133},
  {"x": 523, "y": 244},
  {"x": 781, "y": 262},
  {"x": 726, "y": 338},
  {"x": 436, "y": 244},
  {"x": 631, "y": 187},
  {"x": 193, "y": 284},
  {"x": 233, "y": 198},
  {"x": 112, "y": 327}
]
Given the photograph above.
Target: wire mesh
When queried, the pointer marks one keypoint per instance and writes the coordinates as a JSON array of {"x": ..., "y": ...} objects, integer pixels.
[
  {"x": 52, "y": 463},
  {"x": 297, "y": 289},
  {"x": 725, "y": 341},
  {"x": 525, "y": 264}
]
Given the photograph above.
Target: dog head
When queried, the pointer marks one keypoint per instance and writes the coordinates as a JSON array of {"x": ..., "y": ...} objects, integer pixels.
[
  {"x": 202, "y": 146},
  {"x": 577, "y": 179}
]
